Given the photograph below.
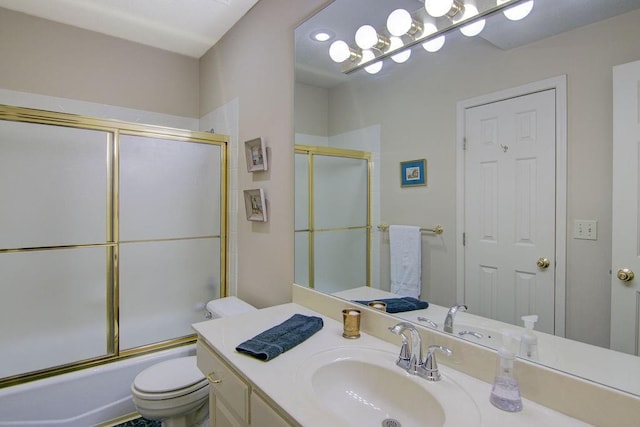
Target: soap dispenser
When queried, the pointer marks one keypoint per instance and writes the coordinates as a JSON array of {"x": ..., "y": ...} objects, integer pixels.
[
  {"x": 528, "y": 340},
  {"x": 505, "y": 393}
]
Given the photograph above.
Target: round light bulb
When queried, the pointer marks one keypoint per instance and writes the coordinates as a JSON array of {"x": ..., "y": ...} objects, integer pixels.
[
  {"x": 433, "y": 45},
  {"x": 399, "y": 22},
  {"x": 517, "y": 12},
  {"x": 438, "y": 8},
  {"x": 366, "y": 37},
  {"x": 373, "y": 68},
  {"x": 400, "y": 57},
  {"x": 339, "y": 51},
  {"x": 474, "y": 28}
]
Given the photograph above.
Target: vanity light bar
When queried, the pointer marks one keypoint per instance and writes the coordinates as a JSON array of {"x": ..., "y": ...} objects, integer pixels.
[{"x": 485, "y": 8}]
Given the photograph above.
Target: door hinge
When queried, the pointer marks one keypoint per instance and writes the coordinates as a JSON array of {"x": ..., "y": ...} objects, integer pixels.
[
  {"x": 464, "y": 144},
  {"x": 464, "y": 239}
]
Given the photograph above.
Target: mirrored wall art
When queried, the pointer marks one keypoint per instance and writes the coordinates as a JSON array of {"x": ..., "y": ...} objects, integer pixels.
[
  {"x": 255, "y": 205},
  {"x": 256, "y": 154}
]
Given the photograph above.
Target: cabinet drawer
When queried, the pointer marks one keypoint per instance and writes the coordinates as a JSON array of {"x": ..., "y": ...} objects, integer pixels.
[{"x": 224, "y": 382}]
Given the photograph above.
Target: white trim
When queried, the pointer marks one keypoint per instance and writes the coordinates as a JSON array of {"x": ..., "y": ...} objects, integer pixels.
[{"x": 560, "y": 85}]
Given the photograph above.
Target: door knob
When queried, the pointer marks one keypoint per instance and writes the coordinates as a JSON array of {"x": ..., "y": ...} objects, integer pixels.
[
  {"x": 543, "y": 263},
  {"x": 625, "y": 275}
]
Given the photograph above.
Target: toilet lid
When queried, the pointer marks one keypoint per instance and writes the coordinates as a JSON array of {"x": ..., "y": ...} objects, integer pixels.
[{"x": 170, "y": 375}]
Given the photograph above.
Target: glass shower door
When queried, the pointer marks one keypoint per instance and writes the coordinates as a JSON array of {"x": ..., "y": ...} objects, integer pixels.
[
  {"x": 333, "y": 220},
  {"x": 112, "y": 239}
]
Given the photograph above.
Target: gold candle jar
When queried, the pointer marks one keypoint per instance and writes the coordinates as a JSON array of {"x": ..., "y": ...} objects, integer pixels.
[
  {"x": 378, "y": 305},
  {"x": 351, "y": 323}
]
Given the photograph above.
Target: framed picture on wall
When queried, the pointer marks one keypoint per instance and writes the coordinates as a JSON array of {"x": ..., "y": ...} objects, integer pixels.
[
  {"x": 413, "y": 173},
  {"x": 256, "y": 154},
  {"x": 255, "y": 205}
]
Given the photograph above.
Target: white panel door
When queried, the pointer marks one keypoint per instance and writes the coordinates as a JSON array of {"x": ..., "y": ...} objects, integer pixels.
[
  {"x": 509, "y": 209},
  {"x": 625, "y": 295}
]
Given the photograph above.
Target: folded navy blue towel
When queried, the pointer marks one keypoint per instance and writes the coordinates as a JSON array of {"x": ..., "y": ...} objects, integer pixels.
[
  {"x": 397, "y": 305},
  {"x": 275, "y": 341}
]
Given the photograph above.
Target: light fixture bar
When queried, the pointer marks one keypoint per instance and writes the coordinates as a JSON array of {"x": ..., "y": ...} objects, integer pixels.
[{"x": 352, "y": 65}]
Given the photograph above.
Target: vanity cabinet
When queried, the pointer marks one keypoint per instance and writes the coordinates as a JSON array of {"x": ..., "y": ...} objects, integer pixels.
[{"x": 233, "y": 402}]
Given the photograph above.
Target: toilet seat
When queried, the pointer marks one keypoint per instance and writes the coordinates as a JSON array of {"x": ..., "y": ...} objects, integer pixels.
[{"x": 169, "y": 379}]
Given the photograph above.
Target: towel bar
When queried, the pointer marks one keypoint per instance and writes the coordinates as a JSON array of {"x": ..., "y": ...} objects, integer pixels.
[{"x": 438, "y": 229}]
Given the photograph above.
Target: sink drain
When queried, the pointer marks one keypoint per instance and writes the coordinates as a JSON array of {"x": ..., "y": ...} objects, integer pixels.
[{"x": 390, "y": 422}]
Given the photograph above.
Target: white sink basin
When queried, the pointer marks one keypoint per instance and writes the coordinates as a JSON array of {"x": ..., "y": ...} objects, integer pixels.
[{"x": 363, "y": 387}]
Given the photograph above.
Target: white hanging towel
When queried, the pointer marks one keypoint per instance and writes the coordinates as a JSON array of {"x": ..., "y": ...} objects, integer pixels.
[{"x": 405, "y": 243}]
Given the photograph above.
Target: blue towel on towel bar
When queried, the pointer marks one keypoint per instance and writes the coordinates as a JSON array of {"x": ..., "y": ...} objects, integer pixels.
[
  {"x": 397, "y": 305},
  {"x": 275, "y": 341}
]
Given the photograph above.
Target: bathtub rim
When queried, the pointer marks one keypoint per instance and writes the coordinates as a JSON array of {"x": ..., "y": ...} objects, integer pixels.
[{"x": 102, "y": 413}]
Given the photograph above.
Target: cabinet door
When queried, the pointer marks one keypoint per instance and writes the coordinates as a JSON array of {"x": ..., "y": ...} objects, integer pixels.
[
  {"x": 229, "y": 386},
  {"x": 219, "y": 414},
  {"x": 262, "y": 415}
]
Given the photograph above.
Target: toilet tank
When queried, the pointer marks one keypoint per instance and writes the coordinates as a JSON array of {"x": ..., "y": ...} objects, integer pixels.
[{"x": 227, "y": 306}]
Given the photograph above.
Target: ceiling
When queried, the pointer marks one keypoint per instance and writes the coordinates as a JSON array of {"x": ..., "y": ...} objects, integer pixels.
[
  {"x": 187, "y": 27},
  {"x": 344, "y": 17}
]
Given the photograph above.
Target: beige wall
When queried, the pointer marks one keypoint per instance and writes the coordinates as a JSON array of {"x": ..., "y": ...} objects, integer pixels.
[
  {"x": 43, "y": 57},
  {"x": 312, "y": 110},
  {"x": 417, "y": 113},
  {"x": 254, "y": 63}
]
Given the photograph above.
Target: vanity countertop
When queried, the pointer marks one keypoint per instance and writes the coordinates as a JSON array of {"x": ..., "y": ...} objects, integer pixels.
[{"x": 280, "y": 378}]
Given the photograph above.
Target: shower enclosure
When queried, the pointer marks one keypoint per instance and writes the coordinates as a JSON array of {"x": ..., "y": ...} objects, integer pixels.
[
  {"x": 332, "y": 218},
  {"x": 112, "y": 239}
]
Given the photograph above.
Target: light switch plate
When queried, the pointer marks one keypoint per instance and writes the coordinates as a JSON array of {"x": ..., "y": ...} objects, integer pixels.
[{"x": 585, "y": 229}]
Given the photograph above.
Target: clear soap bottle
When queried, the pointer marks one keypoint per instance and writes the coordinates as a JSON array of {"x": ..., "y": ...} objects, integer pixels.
[
  {"x": 505, "y": 393},
  {"x": 528, "y": 340}
]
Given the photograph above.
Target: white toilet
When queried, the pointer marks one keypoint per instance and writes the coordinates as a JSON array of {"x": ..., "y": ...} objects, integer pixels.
[{"x": 175, "y": 391}]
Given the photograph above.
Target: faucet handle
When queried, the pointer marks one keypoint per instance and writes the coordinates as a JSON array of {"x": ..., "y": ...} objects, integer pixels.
[
  {"x": 430, "y": 363},
  {"x": 430, "y": 322},
  {"x": 404, "y": 358}
]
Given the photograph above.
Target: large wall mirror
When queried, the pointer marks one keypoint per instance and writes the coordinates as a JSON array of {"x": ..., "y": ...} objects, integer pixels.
[{"x": 545, "y": 81}]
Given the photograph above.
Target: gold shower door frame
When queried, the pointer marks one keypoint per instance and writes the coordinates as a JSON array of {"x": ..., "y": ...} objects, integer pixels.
[
  {"x": 114, "y": 129},
  {"x": 312, "y": 151}
]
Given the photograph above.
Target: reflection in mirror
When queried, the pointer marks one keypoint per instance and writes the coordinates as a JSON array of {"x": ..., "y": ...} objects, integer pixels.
[
  {"x": 333, "y": 223},
  {"x": 564, "y": 54}
]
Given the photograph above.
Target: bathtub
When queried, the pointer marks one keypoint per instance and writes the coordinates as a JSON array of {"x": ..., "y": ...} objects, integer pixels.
[{"x": 79, "y": 399}]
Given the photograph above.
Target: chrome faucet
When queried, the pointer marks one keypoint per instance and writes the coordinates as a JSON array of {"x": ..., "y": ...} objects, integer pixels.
[
  {"x": 451, "y": 314},
  {"x": 410, "y": 357}
]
